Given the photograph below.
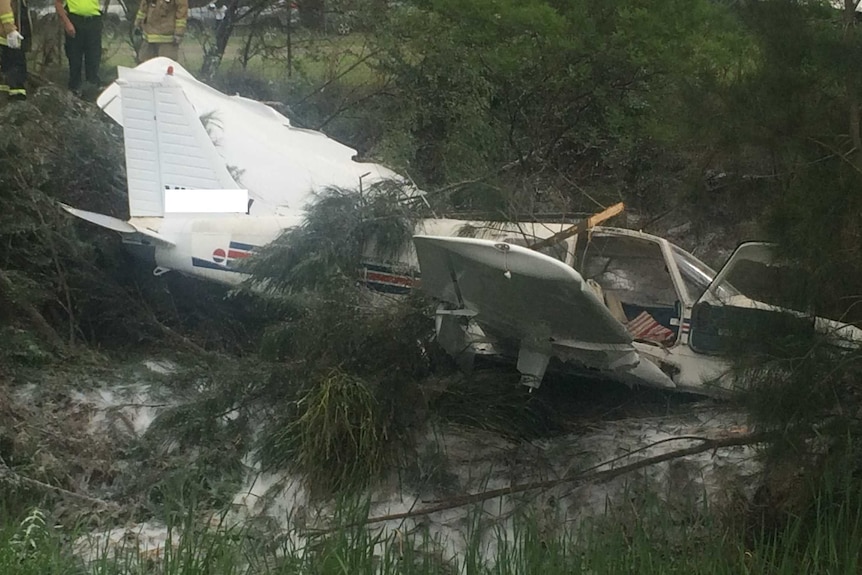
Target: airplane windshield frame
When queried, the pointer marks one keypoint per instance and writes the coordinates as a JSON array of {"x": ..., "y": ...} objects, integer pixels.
[{"x": 697, "y": 276}]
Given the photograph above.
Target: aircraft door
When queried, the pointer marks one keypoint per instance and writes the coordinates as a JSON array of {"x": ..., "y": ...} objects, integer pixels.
[{"x": 747, "y": 303}]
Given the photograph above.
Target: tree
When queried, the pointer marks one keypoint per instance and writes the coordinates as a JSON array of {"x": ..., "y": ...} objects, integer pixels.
[{"x": 530, "y": 94}]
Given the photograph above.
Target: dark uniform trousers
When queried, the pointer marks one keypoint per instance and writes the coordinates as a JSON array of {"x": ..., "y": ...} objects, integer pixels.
[
  {"x": 84, "y": 50},
  {"x": 13, "y": 66},
  {"x": 13, "y": 63}
]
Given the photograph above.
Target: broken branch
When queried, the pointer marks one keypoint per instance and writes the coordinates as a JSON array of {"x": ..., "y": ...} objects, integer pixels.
[
  {"x": 591, "y": 475},
  {"x": 590, "y": 222},
  {"x": 17, "y": 477}
]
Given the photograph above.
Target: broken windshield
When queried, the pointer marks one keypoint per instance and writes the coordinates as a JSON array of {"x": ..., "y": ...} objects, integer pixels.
[{"x": 697, "y": 276}]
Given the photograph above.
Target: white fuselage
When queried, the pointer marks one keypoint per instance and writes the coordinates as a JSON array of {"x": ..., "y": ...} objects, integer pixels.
[{"x": 211, "y": 247}]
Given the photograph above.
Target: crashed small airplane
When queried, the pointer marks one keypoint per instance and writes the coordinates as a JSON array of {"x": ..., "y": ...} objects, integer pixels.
[{"x": 616, "y": 303}]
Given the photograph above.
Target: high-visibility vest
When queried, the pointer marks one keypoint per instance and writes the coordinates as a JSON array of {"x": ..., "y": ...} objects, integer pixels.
[{"x": 83, "y": 7}]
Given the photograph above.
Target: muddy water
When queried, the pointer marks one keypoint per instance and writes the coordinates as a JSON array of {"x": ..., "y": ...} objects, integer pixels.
[{"x": 608, "y": 430}]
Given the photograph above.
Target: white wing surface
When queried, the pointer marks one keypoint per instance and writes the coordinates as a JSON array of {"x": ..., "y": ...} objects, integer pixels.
[
  {"x": 279, "y": 164},
  {"x": 529, "y": 301}
]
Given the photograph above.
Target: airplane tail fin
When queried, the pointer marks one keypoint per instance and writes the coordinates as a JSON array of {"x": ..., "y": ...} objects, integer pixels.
[{"x": 169, "y": 153}]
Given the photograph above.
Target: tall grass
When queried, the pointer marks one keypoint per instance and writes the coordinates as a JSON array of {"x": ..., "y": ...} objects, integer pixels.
[{"x": 824, "y": 540}]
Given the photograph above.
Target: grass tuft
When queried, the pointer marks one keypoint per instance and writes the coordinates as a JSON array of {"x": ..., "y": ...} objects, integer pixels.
[{"x": 340, "y": 437}]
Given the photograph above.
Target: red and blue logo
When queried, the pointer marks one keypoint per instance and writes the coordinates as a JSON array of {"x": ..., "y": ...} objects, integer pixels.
[{"x": 225, "y": 260}]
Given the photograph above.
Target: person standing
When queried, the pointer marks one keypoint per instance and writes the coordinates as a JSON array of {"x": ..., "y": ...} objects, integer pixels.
[
  {"x": 163, "y": 23},
  {"x": 220, "y": 12},
  {"x": 14, "y": 40},
  {"x": 82, "y": 21}
]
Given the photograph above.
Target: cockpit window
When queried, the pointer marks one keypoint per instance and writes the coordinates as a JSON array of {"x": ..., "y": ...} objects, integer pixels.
[
  {"x": 630, "y": 275},
  {"x": 697, "y": 276},
  {"x": 631, "y": 267}
]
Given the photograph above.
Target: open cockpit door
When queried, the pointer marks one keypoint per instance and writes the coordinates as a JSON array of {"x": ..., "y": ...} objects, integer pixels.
[{"x": 749, "y": 301}]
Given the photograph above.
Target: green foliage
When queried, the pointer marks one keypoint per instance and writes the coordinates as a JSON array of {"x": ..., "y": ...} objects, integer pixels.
[
  {"x": 340, "y": 437},
  {"x": 806, "y": 388},
  {"x": 44, "y": 157},
  {"x": 641, "y": 538},
  {"x": 23, "y": 347},
  {"x": 33, "y": 547},
  {"x": 356, "y": 398},
  {"x": 325, "y": 251},
  {"x": 499, "y": 403},
  {"x": 561, "y": 90}
]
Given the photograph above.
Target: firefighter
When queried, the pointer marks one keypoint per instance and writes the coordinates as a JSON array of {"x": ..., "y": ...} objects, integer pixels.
[
  {"x": 14, "y": 41},
  {"x": 163, "y": 23}
]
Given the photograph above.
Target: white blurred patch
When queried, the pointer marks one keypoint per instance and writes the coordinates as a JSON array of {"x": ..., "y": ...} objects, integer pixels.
[{"x": 206, "y": 201}]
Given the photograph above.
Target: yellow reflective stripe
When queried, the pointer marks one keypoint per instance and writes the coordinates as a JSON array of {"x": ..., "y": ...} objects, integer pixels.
[
  {"x": 4, "y": 88},
  {"x": 140, "y": 15},
  {"x": 18, "y": 92},
  {"x": 6, "y": 18},
  {"x": 181, "y": 21},
  {"x": 158, "y": 38}
]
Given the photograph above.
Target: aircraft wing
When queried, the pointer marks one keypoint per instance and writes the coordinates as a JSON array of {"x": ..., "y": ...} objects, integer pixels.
[
  {"x": 279, "y": 164},
  {"x": 524, "y": 297}
]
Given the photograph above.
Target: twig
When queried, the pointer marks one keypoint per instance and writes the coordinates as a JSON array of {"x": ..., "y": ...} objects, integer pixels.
[
  {"x": 596, "y": 476},
  {"x": 4, "y": 468}
]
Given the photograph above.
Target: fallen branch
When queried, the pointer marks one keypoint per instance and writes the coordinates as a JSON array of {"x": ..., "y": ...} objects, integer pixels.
[
  {"x": 167, "y": 331},
  {"x": 589, "y": 223},
  {"x": 17, "y": 477},
  {"x": 593, "y": 475}
]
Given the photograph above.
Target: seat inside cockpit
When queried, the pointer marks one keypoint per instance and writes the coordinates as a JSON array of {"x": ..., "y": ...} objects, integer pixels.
[{"x": 630, "y": 276}]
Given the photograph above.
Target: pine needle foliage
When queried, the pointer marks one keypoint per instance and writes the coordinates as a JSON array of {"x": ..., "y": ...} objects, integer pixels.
[
  {"x": 356, "y": 376},
  {"x": 324, "y": 252},
  {"x": 351, "y": 358}
]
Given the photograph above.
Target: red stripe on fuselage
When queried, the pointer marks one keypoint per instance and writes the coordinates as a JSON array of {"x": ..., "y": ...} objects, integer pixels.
[{"x": 390, "y": 279}]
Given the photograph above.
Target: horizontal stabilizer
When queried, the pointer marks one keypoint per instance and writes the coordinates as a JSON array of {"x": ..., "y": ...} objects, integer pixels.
[
  {"x": 117, "y": 225},
  {"x": 101, "y": 220},
  {"x": 155, "y": 236}
]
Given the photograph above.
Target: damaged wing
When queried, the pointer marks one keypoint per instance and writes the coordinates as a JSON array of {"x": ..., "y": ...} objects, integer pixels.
[
  {"x": 531, "y": 305},
  {"x": 281, "y": 165}
]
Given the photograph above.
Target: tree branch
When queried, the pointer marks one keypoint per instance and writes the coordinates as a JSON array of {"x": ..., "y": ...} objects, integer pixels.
[{"x": 592, "y": 474}]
